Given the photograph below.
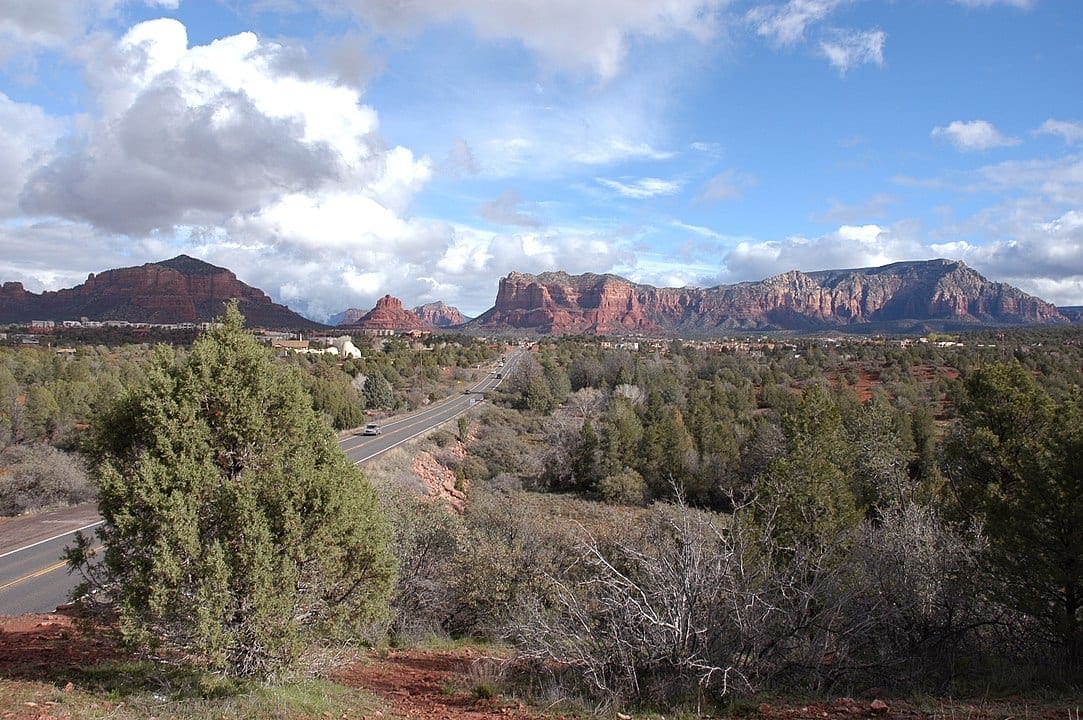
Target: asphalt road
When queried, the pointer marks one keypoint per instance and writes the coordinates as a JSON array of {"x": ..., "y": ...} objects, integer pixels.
[{"x": 33, "y": 578}]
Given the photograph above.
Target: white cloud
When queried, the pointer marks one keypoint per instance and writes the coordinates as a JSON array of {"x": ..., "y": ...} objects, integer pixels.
[
  {"x": 726, "y": 185},
  {"x": 849, "y": 48},
  {"x": 1053, "y": 183},
  {"x": 508, "y": 209},
  {"x": 849, "y": 246},
  {"x": 642, "y": 188},
  {"x": 195, "y": 135},
  {"x": 460, "y": 160},
  {"x": 698, "y": 230},
  {"x": 575, "y": 126},
  {"x": 28, "y": 26},
  {"x": 565, "y": 34},
  {"x": 1069, "y": 132},
  {"x": 786, "y": 24},
  {"x": 973, "y": 135},
  {"x": 27, "y": 135},
  {"x": 839, "y": 212}
]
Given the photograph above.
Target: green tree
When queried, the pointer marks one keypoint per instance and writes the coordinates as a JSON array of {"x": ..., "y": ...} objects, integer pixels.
[
  {"x": 235, "y": 529},
  {"x": 42, "y": 415},
  {"x": 585, "y": 465},
  {"x": 1014, "y": 463},
  {"x": 807, "y": 491},
  {"x": 378, "y": 393},
  {"x": 621, "y": 433},
  {"x": 668, "y": 453}
]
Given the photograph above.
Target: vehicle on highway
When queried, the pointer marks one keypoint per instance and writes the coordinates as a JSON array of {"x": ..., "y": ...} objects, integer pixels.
[{"x": 371, "y": 429}]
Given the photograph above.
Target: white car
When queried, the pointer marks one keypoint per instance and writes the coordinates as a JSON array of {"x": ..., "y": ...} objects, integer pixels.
[{"x": 371, "y": 429}]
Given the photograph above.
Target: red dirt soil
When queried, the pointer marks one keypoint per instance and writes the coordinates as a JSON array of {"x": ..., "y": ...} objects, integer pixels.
[
  {"x": 430, "y": 685},
  {"x": 40, "y": 647}
]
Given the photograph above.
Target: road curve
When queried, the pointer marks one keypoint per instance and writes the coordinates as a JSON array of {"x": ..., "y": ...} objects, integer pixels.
[{"x": 34, "y": 579}]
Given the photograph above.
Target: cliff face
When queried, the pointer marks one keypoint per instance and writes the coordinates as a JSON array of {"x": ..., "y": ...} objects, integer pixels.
[
  {"x": 182, "y": 289},
  {"x": 440, "y": 315},
  {"x": 936, "y": 290},
  {"x": 387, "y": 315}
]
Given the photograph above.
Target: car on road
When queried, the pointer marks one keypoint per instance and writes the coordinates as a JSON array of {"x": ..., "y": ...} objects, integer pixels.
[{"x": 371, "y": 429}]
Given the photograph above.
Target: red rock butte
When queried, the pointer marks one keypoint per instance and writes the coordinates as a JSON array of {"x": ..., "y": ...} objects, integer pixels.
[
  {"x": 178, "y": 290},
  {"x": 389, "y": 315}
]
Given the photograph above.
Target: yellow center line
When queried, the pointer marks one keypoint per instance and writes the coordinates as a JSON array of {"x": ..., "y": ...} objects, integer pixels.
[{"x": 42, "y": 571}]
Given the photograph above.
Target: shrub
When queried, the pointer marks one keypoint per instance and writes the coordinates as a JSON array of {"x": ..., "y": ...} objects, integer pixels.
[
  {"x": 625, "y": 488},
  {"x": 234, "y": 527},
  {"x": 40, "y": 476}
]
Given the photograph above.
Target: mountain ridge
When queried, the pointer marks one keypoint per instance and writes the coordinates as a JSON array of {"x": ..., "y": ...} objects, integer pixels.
[
  {"x": 938, "y": 291},
  {"x": 178, "y": 290},
  {"x": 907, "y": 294}
]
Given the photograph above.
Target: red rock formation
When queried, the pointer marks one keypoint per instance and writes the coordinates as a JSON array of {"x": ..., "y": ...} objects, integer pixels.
[
  {"x": 390, "y": 315},
  {"x": 182, "y": 289},
  {"x": 440, "y": 315},
  {"x": 936, "y": 290}
]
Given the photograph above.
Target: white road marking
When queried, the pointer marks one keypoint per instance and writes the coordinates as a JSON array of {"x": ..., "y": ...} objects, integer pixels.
[{"x": 54, "y": 537}]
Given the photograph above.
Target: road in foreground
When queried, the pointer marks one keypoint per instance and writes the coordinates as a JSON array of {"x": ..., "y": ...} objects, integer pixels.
[{"x": 33, "y": 578}]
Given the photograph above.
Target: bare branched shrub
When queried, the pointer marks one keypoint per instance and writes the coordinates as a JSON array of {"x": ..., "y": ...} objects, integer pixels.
[
  {"x": 698, "y": 606},
  {"x": 939, "y": 608},
  {"x": 427, "y": 537},
  {"x": 503, "y": 562},
  {"x": 674, "y": 611},
  {"x": 39, "y": 476}
]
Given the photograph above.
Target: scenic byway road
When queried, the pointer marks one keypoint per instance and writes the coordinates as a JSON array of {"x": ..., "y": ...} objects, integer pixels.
[{"x": 33, "y": 578}]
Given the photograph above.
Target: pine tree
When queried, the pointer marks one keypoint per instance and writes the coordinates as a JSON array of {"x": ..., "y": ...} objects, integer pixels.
[
  {"x": 235, "y": 529},
  {"x": 807, "y": 492},
  {"x": 585, "y": 465},
  {"x": 1014, "y": 464},
  {"x": 378, "y": 392}
]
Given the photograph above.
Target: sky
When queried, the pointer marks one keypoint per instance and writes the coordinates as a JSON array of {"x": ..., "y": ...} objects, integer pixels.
[{"x": 333, "y": 151}]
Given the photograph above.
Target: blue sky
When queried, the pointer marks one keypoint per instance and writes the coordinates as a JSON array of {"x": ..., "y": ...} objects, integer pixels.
[{"x": 335, "y": 150}]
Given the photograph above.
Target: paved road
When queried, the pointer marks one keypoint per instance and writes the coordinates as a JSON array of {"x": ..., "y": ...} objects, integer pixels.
[
  {"x": 396, "y": 431},
  {"x": 34, "y": 579}
]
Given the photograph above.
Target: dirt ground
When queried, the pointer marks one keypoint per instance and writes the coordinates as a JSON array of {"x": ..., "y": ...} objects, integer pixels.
[
  {"x": 47, "y": 647},
  {"x": 431, "y": 685},
  {"x": 452, "y": 684}
]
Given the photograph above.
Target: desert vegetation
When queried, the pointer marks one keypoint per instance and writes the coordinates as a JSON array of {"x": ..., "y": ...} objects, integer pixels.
[
  {"x": 669, "y": 527},
  {"x": 48, "y": 399},
  {"x": 827, "y": 516}
]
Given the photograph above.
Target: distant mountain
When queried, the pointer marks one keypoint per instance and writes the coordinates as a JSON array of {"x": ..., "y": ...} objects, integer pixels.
[
  {"x": 941, "y": 292},
  {"x": 440, "y": 315},
  {"x": 387, "y": 315},
  {"x": 346, "y": 317},
  {"x": 182, "y": 289},
  {"x": 1072, "y": 312}
]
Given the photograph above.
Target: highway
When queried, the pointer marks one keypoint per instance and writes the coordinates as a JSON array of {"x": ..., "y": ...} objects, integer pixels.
[{"x": 33, "y": 578}]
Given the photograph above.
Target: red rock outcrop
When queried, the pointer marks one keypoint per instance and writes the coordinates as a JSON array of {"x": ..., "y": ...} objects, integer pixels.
[
  {"x": 935, "y": 290},
  {"x": 389, "y": 315},
  {"x": 182, "y": 289},
  {"x": 440, "y": 315}
]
